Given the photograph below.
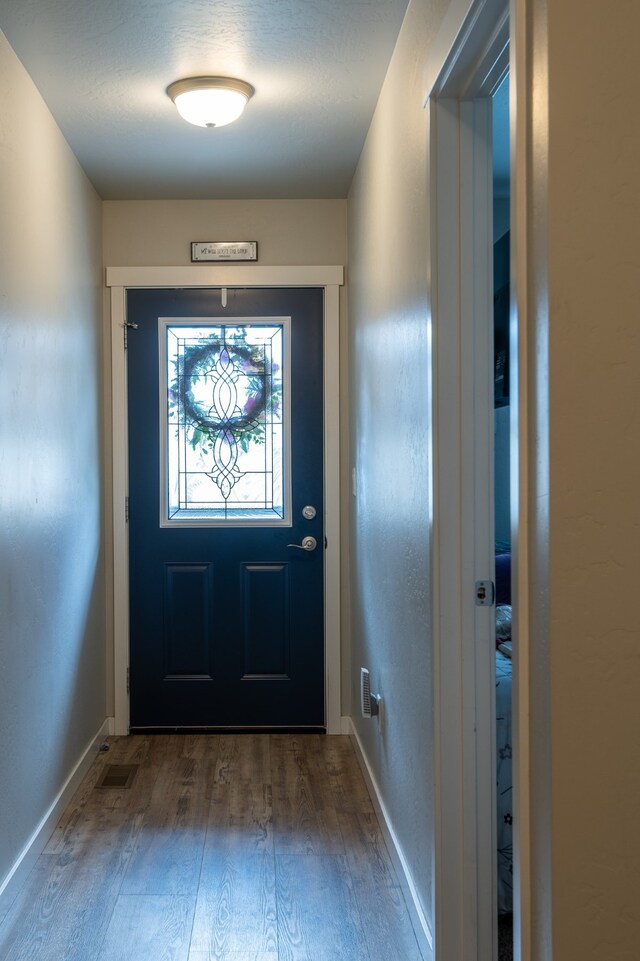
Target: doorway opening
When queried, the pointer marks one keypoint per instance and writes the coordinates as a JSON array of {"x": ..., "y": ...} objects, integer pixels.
[{"x": 501, "y": 183}]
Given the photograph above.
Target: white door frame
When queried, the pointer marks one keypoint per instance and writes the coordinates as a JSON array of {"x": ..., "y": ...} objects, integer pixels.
[
  {"x": 460, "y": 173},
  {"x": 121, "y": 279},
  {"x": 464, "y": 450}
]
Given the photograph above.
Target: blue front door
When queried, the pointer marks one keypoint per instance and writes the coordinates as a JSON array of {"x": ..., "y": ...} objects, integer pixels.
[{"x": 225, "y": 475}]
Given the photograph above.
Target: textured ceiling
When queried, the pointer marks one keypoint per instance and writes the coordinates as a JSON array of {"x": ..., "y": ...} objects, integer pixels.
[{"x": 103, "y": 67}]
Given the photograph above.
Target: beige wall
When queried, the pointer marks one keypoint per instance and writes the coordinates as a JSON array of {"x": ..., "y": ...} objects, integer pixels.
[
  {"x": 391, "y": 599},
  {"x": 52, "y": 634},
  {"x": 289, "y": 232},
  {"x": 592, "y": 505}
]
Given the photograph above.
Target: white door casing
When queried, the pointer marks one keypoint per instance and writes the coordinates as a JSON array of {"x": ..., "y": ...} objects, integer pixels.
[
  {"x": 119, "y": 280},
  {"x": 460, "y": 173},
  {"x": 464, "y": 512}
]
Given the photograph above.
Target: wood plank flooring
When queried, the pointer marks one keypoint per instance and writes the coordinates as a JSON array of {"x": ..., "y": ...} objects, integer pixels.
[{"x": 254, "y": 847}]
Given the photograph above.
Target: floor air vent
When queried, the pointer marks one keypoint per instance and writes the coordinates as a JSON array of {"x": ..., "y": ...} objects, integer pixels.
[{"x": 117, "y": 775}]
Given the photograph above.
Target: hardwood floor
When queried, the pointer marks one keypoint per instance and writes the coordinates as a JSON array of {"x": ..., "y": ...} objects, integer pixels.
[{"x": 250, "y": 847}]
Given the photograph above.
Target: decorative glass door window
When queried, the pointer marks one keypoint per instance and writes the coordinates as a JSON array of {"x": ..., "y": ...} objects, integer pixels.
[{"x": 224, "y": 422}]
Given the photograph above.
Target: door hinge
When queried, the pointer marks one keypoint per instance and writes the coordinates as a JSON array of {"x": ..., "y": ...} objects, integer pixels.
[
  {"x": 126, "y": 509},
  {"x": 125, "y": 331},
  {"x": 128, "y": 680},
  {"x": 485, "y": 593}
]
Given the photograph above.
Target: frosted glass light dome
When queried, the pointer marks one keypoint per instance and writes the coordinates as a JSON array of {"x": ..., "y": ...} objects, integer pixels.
[{"x": 210, "y": 101}]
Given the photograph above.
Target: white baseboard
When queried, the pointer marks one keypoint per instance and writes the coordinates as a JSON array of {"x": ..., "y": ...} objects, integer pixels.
[
  {"x": 40, "y": 837},
  {"x": 345, "y": 725},
  {"x": 421, "y": 927}
]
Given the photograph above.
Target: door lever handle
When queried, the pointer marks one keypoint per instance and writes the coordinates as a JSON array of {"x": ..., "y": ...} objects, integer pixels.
[{"x": 309, "y": 543}]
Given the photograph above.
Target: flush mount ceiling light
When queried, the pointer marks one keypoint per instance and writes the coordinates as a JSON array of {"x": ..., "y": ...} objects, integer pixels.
[{"x": 210, "y": 101}]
